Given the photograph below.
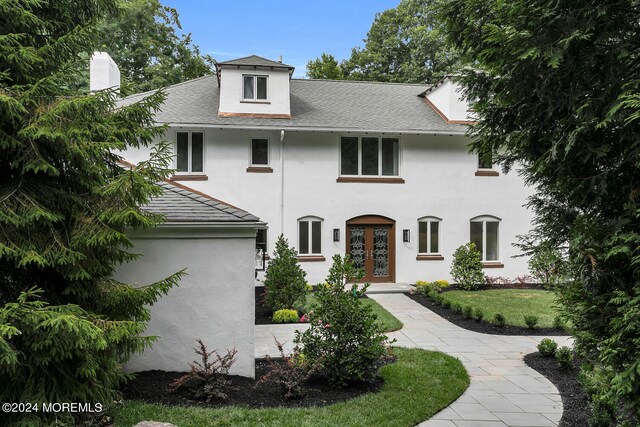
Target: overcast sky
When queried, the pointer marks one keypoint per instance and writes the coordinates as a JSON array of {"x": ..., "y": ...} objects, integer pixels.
[{"x": 298, "y": 30}]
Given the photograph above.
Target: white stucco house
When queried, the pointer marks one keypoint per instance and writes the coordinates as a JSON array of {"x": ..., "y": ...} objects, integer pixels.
[{"x": 380, "y": 171}]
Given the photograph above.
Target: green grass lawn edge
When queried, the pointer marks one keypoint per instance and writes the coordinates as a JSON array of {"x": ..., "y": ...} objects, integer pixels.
[
  {"x": 512, "y": 303},
  {"x": 418, "y": 385}
]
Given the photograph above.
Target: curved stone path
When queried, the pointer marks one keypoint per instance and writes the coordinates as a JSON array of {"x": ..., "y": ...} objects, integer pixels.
[{"x": 503, "y": 390}]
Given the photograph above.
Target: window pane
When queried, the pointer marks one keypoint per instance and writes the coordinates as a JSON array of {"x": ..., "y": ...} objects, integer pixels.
[
  {"x": 182, "y": 152},
  {"x": 197, "y": 151},
  {"x": 390, "y": 156},
  {"x": 422, "y": 237},
  {"x": 259, "y": 151},
  {"x": 476, "y": 235},
  {"x": 485, "y": 160},
  {"x": 369, "y": 156},
  {"x": 492, "y": 241},
  {"x": 261, "y": 88},
  {"x": 434, "y": 237},
  {"x": 248, "y": 87},
  {"x": 349, "y": 156},
  {"x": 261, "y": 239},
  {"x": 316, "y": 237},
  {"x": 303, "y": 237}
]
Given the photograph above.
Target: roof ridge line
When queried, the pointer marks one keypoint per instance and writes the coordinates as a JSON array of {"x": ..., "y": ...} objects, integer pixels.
[
  {"x": 363, "y": 81},
  {"x": 166, "y": 87}
]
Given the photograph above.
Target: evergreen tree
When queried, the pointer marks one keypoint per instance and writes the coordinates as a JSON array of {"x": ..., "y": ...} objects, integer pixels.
[
  {"x": 556, "y": 87},
  {"x": 65, "y": 206}
]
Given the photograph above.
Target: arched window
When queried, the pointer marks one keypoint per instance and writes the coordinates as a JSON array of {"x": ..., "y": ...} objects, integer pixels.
[
  {"x": 429, "y": 235},
  {"x": 310, "y": 235},
  {"x": 485, "y": 233}
]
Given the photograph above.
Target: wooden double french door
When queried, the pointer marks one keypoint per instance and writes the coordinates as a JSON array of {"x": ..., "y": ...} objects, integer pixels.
[{"x": 371, "y": 245}]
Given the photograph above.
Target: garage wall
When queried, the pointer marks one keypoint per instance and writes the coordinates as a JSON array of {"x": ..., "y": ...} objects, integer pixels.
[{"x": 214, "y": 302}]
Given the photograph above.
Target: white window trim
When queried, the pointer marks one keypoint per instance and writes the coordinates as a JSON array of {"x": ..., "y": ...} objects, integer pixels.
[
  {"x": 189, "y": 152},
  {"x": 268, "y": 151},
  {"x": 310, "y": 219},
  {"x": 359, "y": 174},
  {"x": 255, "y": 87},
  {"x": 429, "y": 220},
  {"x": 484, "y": 219}
]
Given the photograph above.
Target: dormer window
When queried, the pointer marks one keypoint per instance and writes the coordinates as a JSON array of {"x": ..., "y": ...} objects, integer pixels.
[{"x": 254, "y": 88}]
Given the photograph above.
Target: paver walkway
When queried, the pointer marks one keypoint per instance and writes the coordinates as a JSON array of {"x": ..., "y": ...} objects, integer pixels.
[{"x": 503, "y": 390}]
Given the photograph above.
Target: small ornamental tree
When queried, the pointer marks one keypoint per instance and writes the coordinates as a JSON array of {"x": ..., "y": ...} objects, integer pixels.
[
  {"x": 466, "y": 268},
  {"x": 285, "y": 281},
  {"x": 548, "y": 267},
  {"x": 343, "y": 340}
]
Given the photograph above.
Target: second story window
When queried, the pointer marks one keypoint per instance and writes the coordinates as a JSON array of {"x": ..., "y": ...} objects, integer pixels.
[
  {"x": 190, "y": 152},
  {"x": 368, "y": 156},
  {"x": 254, "y": 88},
  {"x": 259, "y": 152}
]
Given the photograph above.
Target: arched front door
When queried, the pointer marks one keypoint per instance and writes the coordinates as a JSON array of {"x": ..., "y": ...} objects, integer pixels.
[{"x": 371, "y": 242}]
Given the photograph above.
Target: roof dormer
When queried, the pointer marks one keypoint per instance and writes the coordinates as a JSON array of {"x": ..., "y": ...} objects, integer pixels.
[
  {"x": 254, "y": 87},
  {"x": 446, "y": 98}
]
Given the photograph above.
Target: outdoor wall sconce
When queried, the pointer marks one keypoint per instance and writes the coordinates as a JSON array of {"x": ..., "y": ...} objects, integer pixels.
[
  {"x": 406, "y": 236},
  {"x": 336, "y": 234}
]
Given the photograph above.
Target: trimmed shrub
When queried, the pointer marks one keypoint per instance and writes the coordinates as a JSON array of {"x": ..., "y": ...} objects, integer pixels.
[
  {"x": 548, "y": 267},
  {"x": 285, "y": 316},
  {"x": 547, "y": 347},
  {"x": 558, "y": 323},
  {"x": 440, "y": 284},
  {"x": 478, "y": 314},
  {"x": 530, "y": 320},
  {"x": 421, "y": 286},
  {"x": 285, "y": 282},
  {"x": 456, "y": 307},
  {"x": 467, "y": 312},
  {"x": 446, "y": 303},
  {"x": 208, "y": 378},
  {"x": 466, "y": 268},
  {"x": 564, "y": 356},
  {"x": 500, "y": 320},
  {"x": 343, "y": 341},
  {"x": 433, "y": 296}
]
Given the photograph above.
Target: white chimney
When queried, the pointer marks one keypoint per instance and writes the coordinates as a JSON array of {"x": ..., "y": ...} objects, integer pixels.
[{"x": 103, "y": 73}]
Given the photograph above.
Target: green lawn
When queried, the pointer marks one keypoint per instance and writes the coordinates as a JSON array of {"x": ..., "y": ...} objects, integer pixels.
[
  {"x": 512, "y": 303},
  {"x": 384, "y": 318},
  {"x": 417, "y": 386}
]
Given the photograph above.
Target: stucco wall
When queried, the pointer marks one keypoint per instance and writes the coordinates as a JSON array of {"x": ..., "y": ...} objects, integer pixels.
[
  {"x": 214, "y": 302},
  {"x": 439, "y": 176},
  {"x": 277, "y": 101}
]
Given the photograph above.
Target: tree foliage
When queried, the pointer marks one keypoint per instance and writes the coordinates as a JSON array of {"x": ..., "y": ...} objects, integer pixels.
[
  {"x": 285, "y": 281},
  {"x": 65, "y": 204},
  {"x": 466, "y": 267},
  {"x": 556, "y": 88},
  {"x": 142, "y": 37},
  {"x": 404, "y": 45}
]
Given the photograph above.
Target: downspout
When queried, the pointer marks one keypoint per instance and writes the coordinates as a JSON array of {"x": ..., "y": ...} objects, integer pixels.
[{"x": 282, "y": 181}]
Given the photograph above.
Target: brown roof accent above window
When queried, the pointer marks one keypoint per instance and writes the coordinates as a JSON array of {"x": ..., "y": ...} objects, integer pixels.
[
  {"x": 445, "y": 118},
  {"x": 255, "y": 115}
]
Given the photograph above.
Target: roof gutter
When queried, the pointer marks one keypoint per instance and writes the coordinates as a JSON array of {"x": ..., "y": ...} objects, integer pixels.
[{"x": 318, "y": 129}]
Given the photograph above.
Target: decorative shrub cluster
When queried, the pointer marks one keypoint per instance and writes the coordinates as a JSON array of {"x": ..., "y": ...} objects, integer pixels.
[
  {"x": 478, "y": 314},
  {"x": 290, "y": 374},
  {"x": 285, "y": 316},
  {"x": 530, "y": 320},
  {"x": 564, "y": 356},
  {"x": 548, "y": 266},
  {"x": 285, "y": 282},
  {"x": 466, "y": 268},
  {"x": 427, "y": 287},
  {"x": 207, "y": 379},
  {"x": 467, "y": 312},
  {"x": 500, "y": 320},
  {"x": 547, "y": 347},
  {"x": 343, "y": 341}
]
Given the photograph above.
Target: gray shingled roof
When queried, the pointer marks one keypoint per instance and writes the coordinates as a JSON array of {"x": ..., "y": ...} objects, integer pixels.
[
  {"x": 339, "y": 105},
  {"x": 180, "y": 205},
  {"x": 255, "y": 60}
]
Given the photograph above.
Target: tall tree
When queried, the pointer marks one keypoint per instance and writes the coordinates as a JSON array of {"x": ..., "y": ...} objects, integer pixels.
[
  {"x": 65, "y": 204},
  {"x": 142, "y": 38},
  {"x": 404, "y": 44},
  {"x": 325, "y": 67},
  {"x": 556, "y": 87}
]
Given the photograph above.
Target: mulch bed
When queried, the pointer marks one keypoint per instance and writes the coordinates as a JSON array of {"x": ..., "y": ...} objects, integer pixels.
[
  {"x": 153, "y": 387},
  {"x": 482, "y": 326},
  {"x": 576, "y": 410}
]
